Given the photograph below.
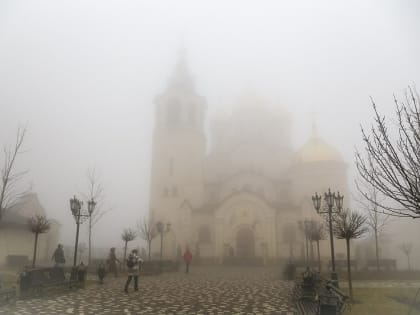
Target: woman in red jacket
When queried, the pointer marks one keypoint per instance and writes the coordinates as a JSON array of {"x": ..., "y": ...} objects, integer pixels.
[{"x": 187, "y": 259}]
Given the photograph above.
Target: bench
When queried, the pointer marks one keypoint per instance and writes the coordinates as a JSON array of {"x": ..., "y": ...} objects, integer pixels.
[
  {"x": 150, "y": 268},
  {"x": 7, "y": 296},
  {"x": 306, "y": 292},
  {"x": 169, "y": 265},
  {"x": 384, "y": 264},
  {"x": 331, "y": 300},
  {"x": 341, "y": 264},
  {"x": 317, "y": 296},
  {"x": 41, "y": 281}
]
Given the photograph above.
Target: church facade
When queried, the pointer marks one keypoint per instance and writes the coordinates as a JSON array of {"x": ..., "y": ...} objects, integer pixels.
[{"x": 239, "y": 190}]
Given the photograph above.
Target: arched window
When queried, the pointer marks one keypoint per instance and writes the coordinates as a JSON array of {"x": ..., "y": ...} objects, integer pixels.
[{"x": 204, "y": 235}]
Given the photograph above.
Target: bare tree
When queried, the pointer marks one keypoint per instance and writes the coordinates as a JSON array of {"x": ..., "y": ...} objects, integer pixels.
[
  {"x": 376, "y": 220},
  {"x": 306, "y": 227},
  {"x": 406, "y": 249},
  {"x": 392, "y": 166},
  {"x": 38, "y": 224},
  {"x": 9, "y": 192},
  {"x": 147, "y": 232},
  {"x": 349, "y": 225},
  {"x": 127, "y": 236},
  {"x": 317, "y": 235},
  {"x": 289, "y": 237},
  {"x": 95, "y": 191}
]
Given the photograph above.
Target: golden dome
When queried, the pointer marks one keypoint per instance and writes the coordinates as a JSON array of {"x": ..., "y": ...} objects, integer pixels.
[{"x": 317, "y": 150}]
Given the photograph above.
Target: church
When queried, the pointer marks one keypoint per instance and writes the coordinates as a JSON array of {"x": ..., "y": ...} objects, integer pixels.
[{"x": 239, "y": 189}]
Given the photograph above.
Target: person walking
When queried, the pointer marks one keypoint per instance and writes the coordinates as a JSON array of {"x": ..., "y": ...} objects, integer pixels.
[
  {"x": 58, "y": 256},
  {"x": 187, "y": 259},
  {"x": 112, "y": 262},
  {"x": 133, "y": 270}
]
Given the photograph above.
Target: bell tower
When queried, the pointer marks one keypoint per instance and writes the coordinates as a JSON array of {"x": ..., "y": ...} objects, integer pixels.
[{"x": 179, "y": 146}]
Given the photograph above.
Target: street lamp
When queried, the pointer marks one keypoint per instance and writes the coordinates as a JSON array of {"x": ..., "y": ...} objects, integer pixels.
[
  {"x": 330, "y": 199},
  {"x": 80, "y": 216},
  {"x": 160, "y": 227}
]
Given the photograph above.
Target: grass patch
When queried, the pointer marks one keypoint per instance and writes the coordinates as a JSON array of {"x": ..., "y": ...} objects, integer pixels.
[{"x": 382, "y": 301}]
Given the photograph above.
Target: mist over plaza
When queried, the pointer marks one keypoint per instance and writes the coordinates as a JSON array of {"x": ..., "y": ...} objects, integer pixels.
[{"x": 221, "y": 118}]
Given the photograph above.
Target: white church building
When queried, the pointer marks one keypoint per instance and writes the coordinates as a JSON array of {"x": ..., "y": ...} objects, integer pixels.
[{"x": 240, "y": 189}]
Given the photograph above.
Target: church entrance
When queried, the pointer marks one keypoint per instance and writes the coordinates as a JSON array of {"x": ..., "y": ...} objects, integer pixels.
[{"x": 245, "y": 243}]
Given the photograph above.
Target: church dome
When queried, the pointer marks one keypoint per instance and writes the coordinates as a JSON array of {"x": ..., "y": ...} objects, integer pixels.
[{"x": 317, "y": 150}]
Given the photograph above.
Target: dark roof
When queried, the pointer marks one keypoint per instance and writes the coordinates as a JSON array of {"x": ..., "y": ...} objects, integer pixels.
[{"x": 22, "y": 210}]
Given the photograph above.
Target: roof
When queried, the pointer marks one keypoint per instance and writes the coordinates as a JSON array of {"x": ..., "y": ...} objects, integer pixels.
[
  {"x": 317, "y": 150},
  {"x": 19, "y": 213}
]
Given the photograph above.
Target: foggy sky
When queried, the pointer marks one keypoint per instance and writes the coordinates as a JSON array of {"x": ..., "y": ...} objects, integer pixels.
[{"x": 83, "y": 76}]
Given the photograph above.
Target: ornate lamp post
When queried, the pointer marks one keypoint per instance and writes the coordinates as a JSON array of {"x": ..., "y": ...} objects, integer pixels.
[
  {"x": 160, "y": 227},
  {"x": 80, "y": 216},
  {"x": 330, "y": 199}
]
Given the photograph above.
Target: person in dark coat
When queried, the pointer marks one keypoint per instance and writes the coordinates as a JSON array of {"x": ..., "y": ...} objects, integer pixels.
[
  {"x": 112, "y": 262},
  {"x": 101, "y": 272},
  {"x": 187, "y": 259},
  {"x": 58, "y": 256}
]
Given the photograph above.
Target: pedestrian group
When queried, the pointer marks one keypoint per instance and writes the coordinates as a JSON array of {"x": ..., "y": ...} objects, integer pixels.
[{"x": 133, "y": 264}]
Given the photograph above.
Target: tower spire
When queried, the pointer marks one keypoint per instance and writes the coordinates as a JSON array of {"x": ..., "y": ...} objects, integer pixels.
[{"x": 181, "y": 78}]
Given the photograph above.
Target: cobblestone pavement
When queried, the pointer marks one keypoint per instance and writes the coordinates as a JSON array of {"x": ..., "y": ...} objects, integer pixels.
[{"x": 212, "y": 290}]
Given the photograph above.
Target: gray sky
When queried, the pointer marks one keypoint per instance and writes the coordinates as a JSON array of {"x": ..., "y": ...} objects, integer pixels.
[{"x": 83, "y": 75}]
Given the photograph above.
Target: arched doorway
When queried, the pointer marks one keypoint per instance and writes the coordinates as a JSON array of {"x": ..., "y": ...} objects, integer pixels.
[{"x": 245, "y": 243}]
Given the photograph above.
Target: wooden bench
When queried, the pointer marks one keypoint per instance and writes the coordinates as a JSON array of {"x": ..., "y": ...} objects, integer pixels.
[
  {"x": 150, "y": 268},
  {"x": 317, "y": 296},
  {"x": 341, "y": 264},
  {"x": 169, "y": 265},
  {"x": 42, "y": 281},
  {"x": 305, "y": 293},
  {"x": 7, "y": 296},
  {"x": 332, "y": 301},
  {"x": 384, "y": 264}
]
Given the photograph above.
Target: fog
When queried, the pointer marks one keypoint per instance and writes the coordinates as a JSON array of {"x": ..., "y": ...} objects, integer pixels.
[{"x": 83, "y": 76}]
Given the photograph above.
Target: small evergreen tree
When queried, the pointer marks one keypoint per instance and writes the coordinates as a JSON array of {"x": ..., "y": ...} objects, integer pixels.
[
  {"x": 38, "y": 224},
  {"x": 147, "y": 233},
  {"x": 349, "y": 225},
  {"x": 127, "y": 236}
]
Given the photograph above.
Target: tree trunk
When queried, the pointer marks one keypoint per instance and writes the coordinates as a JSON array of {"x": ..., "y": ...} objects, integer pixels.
[
  {"x": 408, "y": 262},
  {"x": 290, "y": 251},
  {"x": 125, "y": 253},
  {"x": 312, "y": 252},
  {"x": 377, "y": 250},
  {"x": 319, "y": 255},
  {"x": 35, "y": 247},
  {"x": 349, "y": 270},
  {"x": 90, "y": 240},
  {"x": 150, "y": 247}
]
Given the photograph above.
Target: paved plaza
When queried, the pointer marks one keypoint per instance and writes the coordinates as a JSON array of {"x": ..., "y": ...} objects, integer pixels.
[{"x": 206, "y": 290}]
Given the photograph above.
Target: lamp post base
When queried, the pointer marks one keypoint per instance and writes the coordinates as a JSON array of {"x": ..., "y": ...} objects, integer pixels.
[{"x": 334, "y": 278}]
